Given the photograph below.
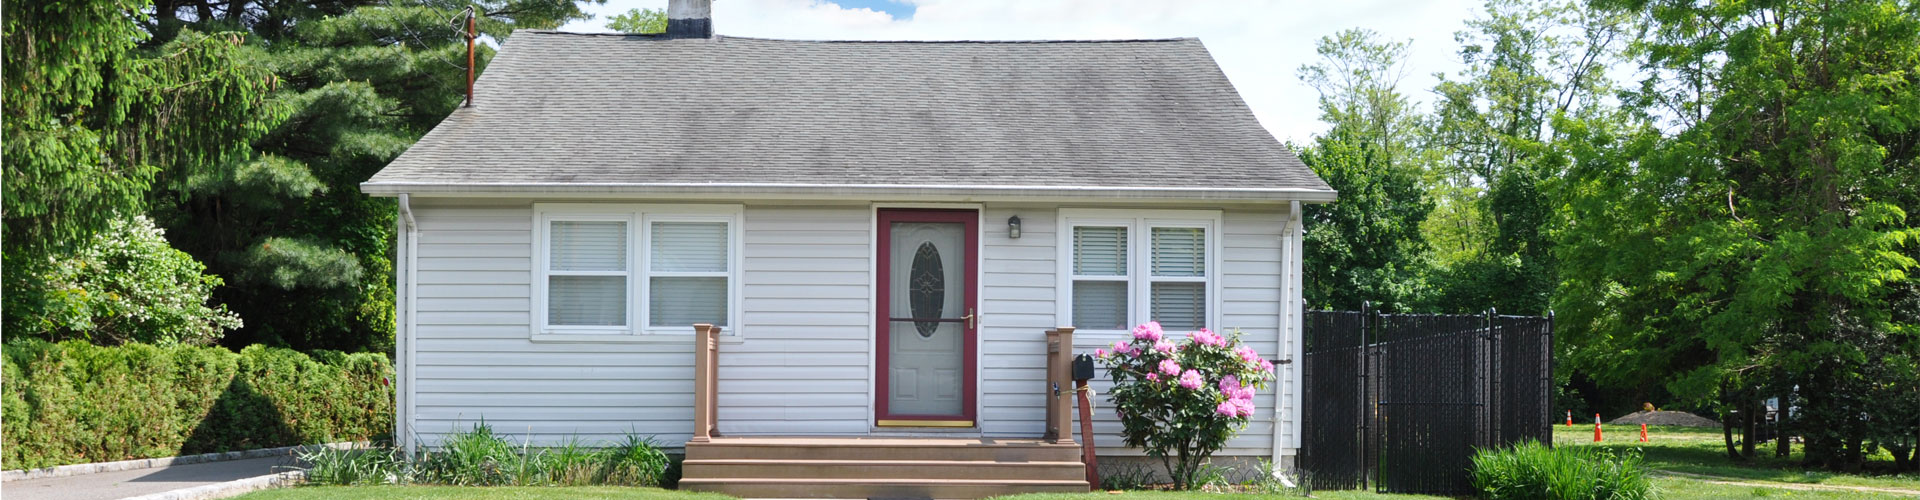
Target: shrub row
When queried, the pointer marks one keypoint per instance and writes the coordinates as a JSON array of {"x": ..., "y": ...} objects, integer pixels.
[
  {"x": 1532, "y": 471},
  {"x": 74, "y": 402}
]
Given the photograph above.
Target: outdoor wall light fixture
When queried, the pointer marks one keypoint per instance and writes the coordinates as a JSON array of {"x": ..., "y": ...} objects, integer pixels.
[{"x": 1013, "y": 227}]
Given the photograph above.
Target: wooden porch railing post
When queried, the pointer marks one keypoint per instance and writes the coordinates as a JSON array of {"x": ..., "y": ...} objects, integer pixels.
[
  {"x": 1059, "y": 388},
  {"x": 706, "y": 371}
]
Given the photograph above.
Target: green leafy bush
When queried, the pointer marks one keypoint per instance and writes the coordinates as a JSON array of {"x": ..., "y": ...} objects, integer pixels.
[
  {"x": 125, "y": 285},
  {"x": 1182, "y": 400},
  {"x": 74, "y": 402},
  {"x": 1533, "y": 471},
  {"x": 478, "y": 457}
]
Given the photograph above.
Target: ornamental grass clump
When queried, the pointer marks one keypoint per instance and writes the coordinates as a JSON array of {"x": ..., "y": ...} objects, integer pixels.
[
  {"x": 1181, "y": 399},
  {"x": 1531, "y": 470}
]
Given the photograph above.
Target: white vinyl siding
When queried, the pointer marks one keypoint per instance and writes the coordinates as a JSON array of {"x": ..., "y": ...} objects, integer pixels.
[{"x": 801, "y": 362}]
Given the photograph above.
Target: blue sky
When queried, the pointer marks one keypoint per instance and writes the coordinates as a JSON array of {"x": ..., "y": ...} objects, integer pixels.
[
  {"x": 898, "y": 9},
  {"x": 1259, "y": 44}
]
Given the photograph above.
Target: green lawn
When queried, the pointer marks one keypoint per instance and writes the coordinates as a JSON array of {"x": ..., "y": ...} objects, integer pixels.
[
  {"x": 1698, "y": 450},
  {"x": 477, "y": 493}
]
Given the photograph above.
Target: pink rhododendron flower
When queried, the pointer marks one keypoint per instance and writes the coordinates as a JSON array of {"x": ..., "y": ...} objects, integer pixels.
[
  {"x": 1099, "y": 353},
  {"x": 1153, "y": 377},
  {"x": 1244, "y": 405},
  {"x": 1241, "y": 393},
  {"x": 1227, "y": 409},
  {"x": 1229, "y": 383},
  {"x": 1170, "y": 367},
  {"x": 1247, "y": 355},
  {"x": 1150, "y": 331},
  {"x": 1163, "y": 346},
  {"x": 1122, "y": 347},
  {"x": 1191, "y": 380},
  {"x": 1205, "y": 336},
  {"x": 1266, "y": 366}
]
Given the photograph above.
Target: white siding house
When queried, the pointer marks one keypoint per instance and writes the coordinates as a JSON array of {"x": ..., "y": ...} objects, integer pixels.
[{"x": 884, "y": 231}]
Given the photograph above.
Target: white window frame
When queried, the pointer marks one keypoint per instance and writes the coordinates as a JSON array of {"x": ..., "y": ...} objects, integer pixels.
[
  {"x": 1140, "y": 279},
  {"x": 639, "y": 219}
]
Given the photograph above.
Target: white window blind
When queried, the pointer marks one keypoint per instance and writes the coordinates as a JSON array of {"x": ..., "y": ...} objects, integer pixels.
[
  {"x": 689, "y": 266},
  {"x": 1100, "y": 277},
  {"x": 1179, "y": 251},
  {"x": 1099, "y": 251},
  {"x": 587, "y": 273},
  {"x": 1177, "y": 290}
]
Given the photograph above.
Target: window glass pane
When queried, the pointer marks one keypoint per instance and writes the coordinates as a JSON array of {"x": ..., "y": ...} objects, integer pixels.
[
  {"x": 1180, "y": 306},
  {"x": 1100, "y": 305},
  {"x": 588, "y": 246},
  {"x": 690, "y": 247},
  {"x": 587, "y": 300},
  {"x": 1099, "y": 251},
  {"x": 683, "y": 301},
  {"x": 1179, "y": 251}
]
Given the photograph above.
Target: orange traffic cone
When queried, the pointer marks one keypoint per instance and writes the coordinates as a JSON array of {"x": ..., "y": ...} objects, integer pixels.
[
  {"x": 1569, "y": 418},
  {"x": 1643, "y": 433},
  {"x": 1596, "y": 427}
]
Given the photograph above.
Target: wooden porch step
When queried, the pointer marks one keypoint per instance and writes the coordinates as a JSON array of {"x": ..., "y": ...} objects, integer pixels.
[
  {"x": 870, "y": 467},
  {"x": 992, "y": 450},
  {"x": 879, "y": 488},
  {"x": 885, "y": 469}
]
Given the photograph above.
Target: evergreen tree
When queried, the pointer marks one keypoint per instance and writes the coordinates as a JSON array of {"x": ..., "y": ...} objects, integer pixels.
[{"x": 307, "y": 258}]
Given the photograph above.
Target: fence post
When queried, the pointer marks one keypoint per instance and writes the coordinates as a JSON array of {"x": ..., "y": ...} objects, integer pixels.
[
  {"x": 1369, "y": 411},
  {"x": 1546, "y": 382}
]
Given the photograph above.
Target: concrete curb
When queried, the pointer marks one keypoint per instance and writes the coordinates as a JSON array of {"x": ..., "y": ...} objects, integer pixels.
[
  {"x": 149, "y": 463},
  {"x": 227, "y": 489}
]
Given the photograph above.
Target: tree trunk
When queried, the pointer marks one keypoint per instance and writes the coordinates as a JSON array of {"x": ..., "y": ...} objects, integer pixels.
[
  {"x": 1783, "y": 445},
  {"x": 1750, "y": 431},
  {"x": 1726, "y": 432}
]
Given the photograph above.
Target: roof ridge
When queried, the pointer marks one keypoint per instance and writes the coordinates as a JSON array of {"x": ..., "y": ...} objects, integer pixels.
[{"x": 718, "y": 37}]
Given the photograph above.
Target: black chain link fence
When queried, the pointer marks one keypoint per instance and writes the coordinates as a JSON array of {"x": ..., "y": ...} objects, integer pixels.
[{"x": 1399, "y": 402}]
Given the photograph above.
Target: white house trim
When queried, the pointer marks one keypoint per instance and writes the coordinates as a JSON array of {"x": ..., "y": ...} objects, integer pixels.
[
  {"x": 1139, "y": 224},
  {"x": 638, "y": 218},
  {"x": 708, "y": 191},
  {"x": 1286, "y": 428}
]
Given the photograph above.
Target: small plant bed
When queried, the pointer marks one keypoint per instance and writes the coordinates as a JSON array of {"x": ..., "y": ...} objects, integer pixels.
[
  {"x": 470, "y": 493},
  {"x": 1201, "y": 495},
  {"x": 1702, "y": 451},
  {"x": 479, "y": 457}
]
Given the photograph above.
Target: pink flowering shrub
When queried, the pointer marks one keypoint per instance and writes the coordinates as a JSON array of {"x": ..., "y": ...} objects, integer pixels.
[{"x": 1181, "y": 399}]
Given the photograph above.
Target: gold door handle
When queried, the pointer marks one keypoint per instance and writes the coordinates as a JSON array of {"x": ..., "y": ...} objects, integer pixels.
[{"x": 971, "y": 318}]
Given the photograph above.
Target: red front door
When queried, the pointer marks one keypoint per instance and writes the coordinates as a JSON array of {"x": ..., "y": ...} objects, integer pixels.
[{"x": 926, "y": 316}]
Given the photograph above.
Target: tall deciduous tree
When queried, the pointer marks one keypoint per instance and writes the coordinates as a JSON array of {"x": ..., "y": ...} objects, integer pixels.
[
  {"x": 1527, "y": 62},
  {"x": 1367, "y": 246},
  {"x": 307, "y": 258},
  {"x": 639, "y": 21},
  {"x": 1751, "y": 236}
]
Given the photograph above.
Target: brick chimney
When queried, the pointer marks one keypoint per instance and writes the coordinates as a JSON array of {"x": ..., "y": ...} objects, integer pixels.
[{"x": 690, "y": 18}]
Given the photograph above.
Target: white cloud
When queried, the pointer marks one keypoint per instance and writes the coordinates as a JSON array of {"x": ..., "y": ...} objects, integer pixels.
[{"x": 1259, "y": 44}]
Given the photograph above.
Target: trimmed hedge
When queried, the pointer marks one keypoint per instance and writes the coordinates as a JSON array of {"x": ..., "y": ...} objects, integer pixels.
[{"x": 75, "y": 402}]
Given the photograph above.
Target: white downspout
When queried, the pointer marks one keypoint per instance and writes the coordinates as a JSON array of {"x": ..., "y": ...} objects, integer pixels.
[
  {"x": 1291, "y": 233},
  {"x": 403, "y": 339}
]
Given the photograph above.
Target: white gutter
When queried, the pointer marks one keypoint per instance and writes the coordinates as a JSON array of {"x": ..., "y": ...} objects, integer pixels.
[
  {"x": 1291, "y": 233},
  {"x": 854, "y": 191},
  {"x": 403, "y": 339}
]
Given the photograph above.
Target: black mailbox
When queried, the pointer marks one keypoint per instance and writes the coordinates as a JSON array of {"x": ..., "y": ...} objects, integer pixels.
[{"x": 1083, "y": 367}]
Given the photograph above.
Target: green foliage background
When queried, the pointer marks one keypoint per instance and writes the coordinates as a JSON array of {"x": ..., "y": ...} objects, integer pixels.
[{"x": 74, "y": 402}]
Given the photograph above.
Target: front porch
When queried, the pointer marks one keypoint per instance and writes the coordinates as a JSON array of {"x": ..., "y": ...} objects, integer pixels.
[{"x": 883, "y": 466}]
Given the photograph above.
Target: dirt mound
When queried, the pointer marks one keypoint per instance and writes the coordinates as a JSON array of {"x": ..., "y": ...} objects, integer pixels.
[{"x": 1680, "y": 418}]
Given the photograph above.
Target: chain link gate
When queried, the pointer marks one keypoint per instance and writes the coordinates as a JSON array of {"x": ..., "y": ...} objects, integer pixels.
[{"x": 1401, "y": 401}]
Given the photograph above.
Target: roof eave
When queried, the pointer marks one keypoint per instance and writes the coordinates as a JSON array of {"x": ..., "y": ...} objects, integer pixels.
[{"x": 708, "y": 191}]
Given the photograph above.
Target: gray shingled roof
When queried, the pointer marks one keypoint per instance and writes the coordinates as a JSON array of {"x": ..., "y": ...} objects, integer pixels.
[{"x": 560, "y": 110}]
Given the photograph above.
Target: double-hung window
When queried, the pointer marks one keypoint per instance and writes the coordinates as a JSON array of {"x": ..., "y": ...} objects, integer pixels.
[
  {"x": 1124, "y": 268},
  {"x": 608, "y": 272}
]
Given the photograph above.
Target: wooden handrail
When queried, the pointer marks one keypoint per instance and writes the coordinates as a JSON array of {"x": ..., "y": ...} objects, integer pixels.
[
  {"x": 706, "y": 384},
  {"x": 1059, "y": 385}
]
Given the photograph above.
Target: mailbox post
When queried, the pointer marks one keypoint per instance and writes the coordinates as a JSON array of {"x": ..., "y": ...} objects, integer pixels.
[{"x": 1082, "y": 372}]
